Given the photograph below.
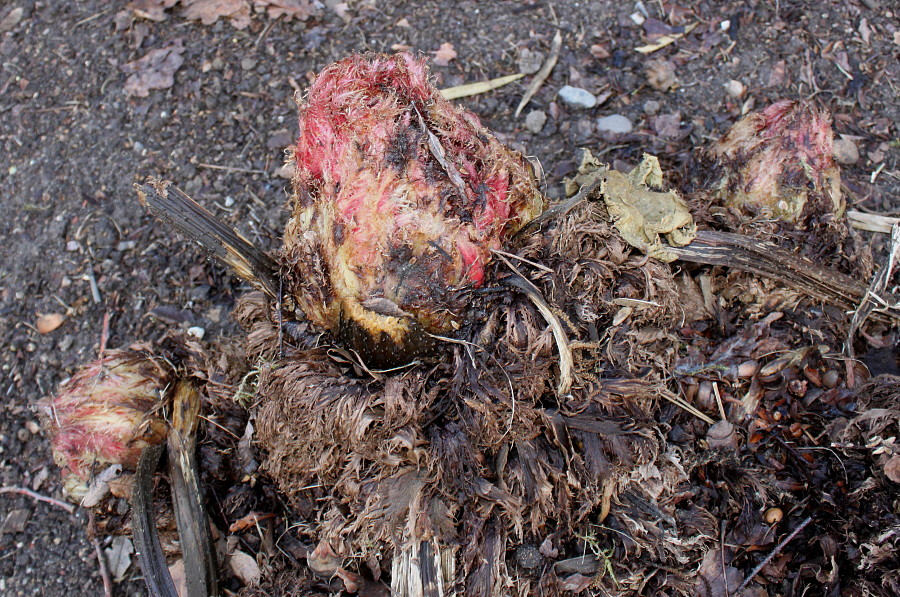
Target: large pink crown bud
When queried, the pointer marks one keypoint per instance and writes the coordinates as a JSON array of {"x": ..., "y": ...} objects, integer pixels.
[
  {"x": 400, "y": 197},
  {"x": 778, "y": 164},
  {"x": 105, "y": 414}
]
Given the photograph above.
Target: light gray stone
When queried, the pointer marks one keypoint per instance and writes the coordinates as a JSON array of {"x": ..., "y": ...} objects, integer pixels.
[
  {"x": 535, "y": 121},
  {"x": 576, "y": 97},
  {"x": 615, "y": 123}
]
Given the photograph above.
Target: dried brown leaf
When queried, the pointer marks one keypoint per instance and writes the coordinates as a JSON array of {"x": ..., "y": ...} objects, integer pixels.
[
  {"x": 156, "y": 70},
  {"x": 210, "y": 11},
  {"x": 778, "y": 74},
  {"x": 248, "y": 521},
  {"x": 600, "y": 51},
  {"x": 667, "y": 126},
  {"x": 48, "y": 322},
  {"x": 575, "y": 583},
  {"x": 290, "y": 9},
  {"x": 715, "y": 578},
  {"x": 660, "y": 75},
  {"x": 892, "y": 468},
  {"x": 444, "y": 54},
  {"x": 118, "y": 556},
  {"x": 722, "y": 435},
  {"x": 152, "y": 10},
  {"x": 244, "y": 567}
]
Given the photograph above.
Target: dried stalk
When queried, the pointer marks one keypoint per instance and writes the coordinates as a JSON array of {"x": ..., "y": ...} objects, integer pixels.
[
  {"x": 146, "y": 536},
  {"x": 766, "y": 259},
  {"x": 542, "y": 74},
  {"x": 175, "y": 208},
  {"x": 193, "y": 526}
]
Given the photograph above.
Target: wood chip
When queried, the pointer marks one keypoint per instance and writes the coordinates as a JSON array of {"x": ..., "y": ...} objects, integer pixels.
[{"x": 49, "y": 322}]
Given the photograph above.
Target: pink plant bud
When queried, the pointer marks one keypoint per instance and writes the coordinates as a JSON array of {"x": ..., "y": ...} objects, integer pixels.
[
  {"x": 778, "y": 164},
  {"x": 105, "y": 414},
  {"x": 400, "y": 197}
]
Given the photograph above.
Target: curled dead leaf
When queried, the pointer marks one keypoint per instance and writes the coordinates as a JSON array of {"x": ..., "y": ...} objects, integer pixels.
[
  {"x": 48, "y": 322},
  {"x": 244, "y": 567},
  {"x": 156, "y": 70},
  {"x": 210, "y": 11},
  {"x": 444, "y": 54},
  {"x": 722, "y": 435},
  {"x": 892, "y": 468}
]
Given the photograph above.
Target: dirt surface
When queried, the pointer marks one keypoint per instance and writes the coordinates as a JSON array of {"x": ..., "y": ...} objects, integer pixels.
[{"x": 78, "y": 244}]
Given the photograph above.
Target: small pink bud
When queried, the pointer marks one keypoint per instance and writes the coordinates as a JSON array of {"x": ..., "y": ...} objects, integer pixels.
[{"x": 105, "y": 414}]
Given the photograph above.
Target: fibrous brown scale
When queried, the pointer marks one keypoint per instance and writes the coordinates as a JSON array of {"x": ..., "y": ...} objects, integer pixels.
[{"x": 475, "y": 448}]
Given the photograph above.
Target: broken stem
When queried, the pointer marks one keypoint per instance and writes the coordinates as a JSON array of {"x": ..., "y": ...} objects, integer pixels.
[
  {"x": 174, "y": 207},
  {"x": 146, "y": 536},
  {"x": 774, "y": 553},
  {"x": 37, "y": 496},
  {"x": 542, "y": 74},
  {"x": 193, "y": 526},
  {"x": 766, "y": 259}
]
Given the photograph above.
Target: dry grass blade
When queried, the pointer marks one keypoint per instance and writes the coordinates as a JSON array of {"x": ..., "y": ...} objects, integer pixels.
[
  {"x": 542, "y": 74},
  {"x": 235, "y": 252},
  {"x": 469, "y": 89},
  {"x": 871, "y": 222},
  {"x": 874, "y": 299},
  {"x": 681, "y": 403},
  {"x": 566, "y": 360}
]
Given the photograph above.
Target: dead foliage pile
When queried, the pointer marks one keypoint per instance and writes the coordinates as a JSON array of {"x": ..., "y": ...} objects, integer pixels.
[{"x": 493, "y": 468}]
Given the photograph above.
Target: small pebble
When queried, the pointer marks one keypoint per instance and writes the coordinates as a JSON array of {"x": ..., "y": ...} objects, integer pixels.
[
  {"x": 138, "y": 147},
  {"x": 831, "y": 378},
  {"x": 846, "y": 152},
  {"x": 651, "y": 107},
  {"x": 529, "y": 557},
  {"x": 529, "y": 62},
  {"x": 576, "y": 97},
  {"x": 197, "y": 332},
  {"x": 23, "y": 435},
  {"x": 72, "y": 245},
  {"x": 535, "y": 121},
  {"x": 248, "y": 63},
  {"x": 614, "y": 124},
  {"x": 229, "y": 201},
  {"x": 735, "y": 89}
]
